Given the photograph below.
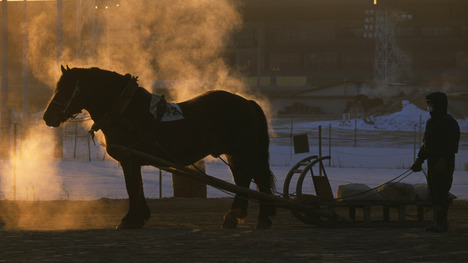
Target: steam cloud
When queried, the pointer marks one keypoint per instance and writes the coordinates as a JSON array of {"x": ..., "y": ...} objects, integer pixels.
[
  {"x": 179, "y": 42},
  {"x": 33, "y": 175}
]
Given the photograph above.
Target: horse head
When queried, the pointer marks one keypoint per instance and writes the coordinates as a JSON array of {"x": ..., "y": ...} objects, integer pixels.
[{"x": 66, "y": 102}]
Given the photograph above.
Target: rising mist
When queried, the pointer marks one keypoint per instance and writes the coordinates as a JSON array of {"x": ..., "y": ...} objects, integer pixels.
[{"x": 181, "y": 43}]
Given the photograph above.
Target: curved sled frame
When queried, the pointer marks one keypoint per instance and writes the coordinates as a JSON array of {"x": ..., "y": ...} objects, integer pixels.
[{"x": 322, "y": 189}]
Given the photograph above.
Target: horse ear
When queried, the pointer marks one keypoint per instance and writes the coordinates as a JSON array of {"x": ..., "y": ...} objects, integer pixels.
[
  {"x": 63, "y": 69},
  {"x": 68, "y": 68}
]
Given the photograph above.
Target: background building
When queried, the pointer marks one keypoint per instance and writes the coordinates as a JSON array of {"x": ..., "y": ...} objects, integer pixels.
[
  {"x": 291, "y": 48},
  {"x": 326, "y": 41}
]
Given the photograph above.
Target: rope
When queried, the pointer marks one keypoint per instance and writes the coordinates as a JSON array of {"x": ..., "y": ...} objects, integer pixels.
[
  {"x": 381, "y": 185},
  {"x": 367, "y": 155},
  {"x": 81, "y": 119}
]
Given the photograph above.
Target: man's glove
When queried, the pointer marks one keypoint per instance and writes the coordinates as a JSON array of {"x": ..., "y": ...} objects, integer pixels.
[{"x": 417, "y": 166}]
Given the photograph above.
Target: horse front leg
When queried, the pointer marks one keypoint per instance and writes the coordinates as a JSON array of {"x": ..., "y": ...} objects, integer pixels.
[{"x": 138, "y": 212}]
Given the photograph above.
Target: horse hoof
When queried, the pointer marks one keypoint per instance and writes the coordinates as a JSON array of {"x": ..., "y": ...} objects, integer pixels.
[
  {"x": 130, "y": 225},
  {"x": 264, "y": 223},
  {"x": 230, "y": 222}
]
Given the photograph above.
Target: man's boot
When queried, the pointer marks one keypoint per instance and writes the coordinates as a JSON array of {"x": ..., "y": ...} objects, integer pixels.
[{"x": 440, "y": 220}]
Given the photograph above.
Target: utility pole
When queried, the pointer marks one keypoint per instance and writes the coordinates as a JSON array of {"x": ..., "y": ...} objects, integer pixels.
[
  {"x": 58, "y": 40},
  {"x": 58, "y": 149},
  {"x": 380, "y": 24},
  {"x": 259, "y": 55},
  {"x": 25, "y": 68},
  {"x": 4, "y": 110},
  {"x": 78, "y": 28}
]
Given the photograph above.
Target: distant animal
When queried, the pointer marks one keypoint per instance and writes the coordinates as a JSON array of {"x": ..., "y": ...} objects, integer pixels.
[{"x": 214, "y": 123}]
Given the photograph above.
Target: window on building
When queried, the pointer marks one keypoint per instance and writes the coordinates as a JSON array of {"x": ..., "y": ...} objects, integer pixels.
[
  {"x": 320, "y": 61},
  {"x": 304, "y": 32},
  {"x": 246, "y": 60},
  {"x": 437, "y": 31},
  {"x": 313, "y": 61},
  {"x": 285, "y": 62},
  {"x": 246, "y": 38},
  {"x": 404, "y": 31},
  {"x": 358, "y": 60},
  {"x": 351, "y": 31},
  {"x": 431, "y": 60}
]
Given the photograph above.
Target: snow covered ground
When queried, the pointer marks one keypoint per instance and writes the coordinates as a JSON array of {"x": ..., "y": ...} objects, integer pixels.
[
  {"x": 96, "y": 179},
  {"x": 369, "y": 163}
]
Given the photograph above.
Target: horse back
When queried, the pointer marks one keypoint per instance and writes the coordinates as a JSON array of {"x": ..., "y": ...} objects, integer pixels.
[{"x": 225, "y": 122}]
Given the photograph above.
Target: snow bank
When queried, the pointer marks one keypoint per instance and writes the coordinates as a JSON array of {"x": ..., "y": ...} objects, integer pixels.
[{"x": 409, "y": 118}]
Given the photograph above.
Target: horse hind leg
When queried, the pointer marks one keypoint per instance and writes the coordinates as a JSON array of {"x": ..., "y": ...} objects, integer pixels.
[
  {"x": 244, "y": 169},
  {"x": 238, "y": 211},
  {"x": 267, "y": 209},
  {"x": 265, "y": 181}
]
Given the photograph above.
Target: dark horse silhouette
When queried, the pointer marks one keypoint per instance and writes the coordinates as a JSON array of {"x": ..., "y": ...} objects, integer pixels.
[{"x": 214, "y": 123}]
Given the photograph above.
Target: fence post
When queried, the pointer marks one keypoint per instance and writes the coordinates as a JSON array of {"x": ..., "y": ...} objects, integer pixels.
[
  {"x": 329, "y": 144},
  {"x": 420, "y": 129},
  {"x": 320, "y": 140},
  {"x": 355, "y": 131},
  {"x": 291, "y": 140},
  {"x": 320, "y": 147},
  {"x": 14, "y": 161},
  {"x": 58, "y": 147},
  {"x": 89, "y": 148},
  {"x": 414, "y": 142},
  {"x": 188, "y": 187},
  {"x": 74, "y": 147},
  {"x": 160, "y": 183}
]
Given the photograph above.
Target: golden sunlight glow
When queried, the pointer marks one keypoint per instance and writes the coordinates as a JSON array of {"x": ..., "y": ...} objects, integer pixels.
[
  {"x": 32, "y": 176},
  {"x": 187, "y": 44}
]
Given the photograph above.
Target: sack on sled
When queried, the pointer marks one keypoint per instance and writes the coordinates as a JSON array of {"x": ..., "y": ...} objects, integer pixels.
[
  {"x": 356, "y": 191},
  {"x": 398, "y": 192}
]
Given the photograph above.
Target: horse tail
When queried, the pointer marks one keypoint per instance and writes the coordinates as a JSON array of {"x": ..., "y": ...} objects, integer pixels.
[{"x": 264, "y": 144}]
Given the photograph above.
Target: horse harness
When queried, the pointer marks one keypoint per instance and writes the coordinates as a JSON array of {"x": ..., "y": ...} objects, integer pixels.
[
  {"x": 117, "y": 109},
  {"x": 66, "y": 106},
  {"x": 121, "y": 105}
]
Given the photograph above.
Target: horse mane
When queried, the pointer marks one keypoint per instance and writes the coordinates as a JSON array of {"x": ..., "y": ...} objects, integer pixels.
[
  {"x": 98, "y": 72},
  {"x": 95, "y": 72},
  {"x": 110, "y": 78}
]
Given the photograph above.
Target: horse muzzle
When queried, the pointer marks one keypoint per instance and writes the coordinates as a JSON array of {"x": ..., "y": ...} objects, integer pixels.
[
  {"x": 52, "y": 123},
  {"x": 53, "y": 119}
]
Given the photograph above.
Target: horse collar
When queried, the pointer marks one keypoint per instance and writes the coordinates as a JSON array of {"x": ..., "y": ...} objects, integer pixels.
[{"x": 118, "y": 108}]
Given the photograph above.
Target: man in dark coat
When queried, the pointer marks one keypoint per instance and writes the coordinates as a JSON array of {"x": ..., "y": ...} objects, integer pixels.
[{"x": 440, "y": 145}]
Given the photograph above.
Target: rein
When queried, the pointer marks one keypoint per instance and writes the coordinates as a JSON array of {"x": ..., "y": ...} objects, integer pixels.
[
  {"x": 66, "y": 106},
  {"x": 118, "y": 108}
]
